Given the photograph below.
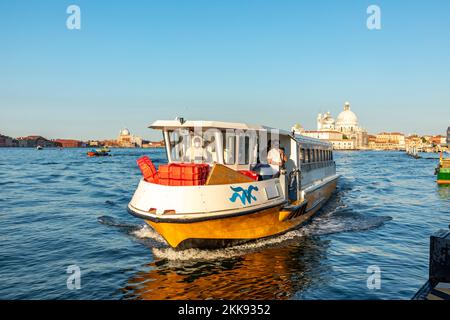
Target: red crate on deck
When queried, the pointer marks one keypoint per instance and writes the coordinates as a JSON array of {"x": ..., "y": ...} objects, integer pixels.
[
  {"x": 176, "y": 182},
  {"x": 194, "y": 182},
  {"x": 183, "y": 174},
  {"x": 176, "y": 171},
  {"x": 164, "y": 171},
  {"x": 250, "y": 174},
  {"x": 164, "y": 182},
  {"x": 148, "y": 169}
]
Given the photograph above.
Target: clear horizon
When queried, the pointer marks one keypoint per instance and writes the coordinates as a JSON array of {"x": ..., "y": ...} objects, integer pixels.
[{"x": 275, "y": 63}]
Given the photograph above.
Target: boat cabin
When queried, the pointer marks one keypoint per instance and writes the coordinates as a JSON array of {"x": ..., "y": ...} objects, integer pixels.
[{"x": 243, "y": 147}]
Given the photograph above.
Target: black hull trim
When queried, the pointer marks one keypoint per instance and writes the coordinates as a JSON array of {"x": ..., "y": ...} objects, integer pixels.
[{"x": 193, "y": 220}]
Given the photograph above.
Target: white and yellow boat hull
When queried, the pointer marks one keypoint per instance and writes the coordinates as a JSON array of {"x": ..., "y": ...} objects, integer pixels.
[{"x": 222, "y": 215}]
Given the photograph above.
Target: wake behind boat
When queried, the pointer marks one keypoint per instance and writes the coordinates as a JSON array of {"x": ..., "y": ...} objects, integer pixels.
[{"x": 229, "y": 183}]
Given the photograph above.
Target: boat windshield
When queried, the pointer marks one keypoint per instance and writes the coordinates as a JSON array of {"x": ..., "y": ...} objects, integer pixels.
[
  {"x": 189, "y": 146},
  {"x": 230, "y": 147}
]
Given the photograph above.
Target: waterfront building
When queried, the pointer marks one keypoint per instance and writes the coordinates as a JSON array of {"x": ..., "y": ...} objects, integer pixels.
[
  {"x": 34, "y": 141},
  {"x": 69, "y": 143},
  {"x": 6, "y": 141},
  {"x": 347, "y": 123},
  {"x": 414, "y": 141},
  {"x": 109, "y": 143},
  {"x": 153, "y": 144},
  {"x": 127, "y": 140},
  {"x": 344, "y": 132},
  {"x": 325, "y": 121},
  {"x": 388, "y": 141},
  {"x": 343, "y": 144},
  {"x": 439, "y": 140},
  {"x": 324, "y": 135}
]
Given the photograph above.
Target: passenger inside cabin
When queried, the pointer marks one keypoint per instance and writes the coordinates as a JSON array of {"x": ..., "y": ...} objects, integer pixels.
[
  {"x": 276, "y": 159},
  {"x": 196, "y": 152}
]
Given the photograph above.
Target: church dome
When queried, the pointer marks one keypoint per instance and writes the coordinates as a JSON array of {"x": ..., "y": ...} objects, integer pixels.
[
  {"x": 125, "y": 132},
  {"x": 347, "y": 119}
]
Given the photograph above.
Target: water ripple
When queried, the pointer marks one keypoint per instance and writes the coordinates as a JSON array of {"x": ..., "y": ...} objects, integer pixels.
[{"x": 59, "y": 208}]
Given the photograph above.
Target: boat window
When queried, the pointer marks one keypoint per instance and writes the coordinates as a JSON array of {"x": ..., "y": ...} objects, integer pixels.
[
  {"x": 308, "y": 155},
  {"x": 303, "y": 155},
  {"x": 178, "y": 145},
  {"x": 187, "y": 146},
  {"x": 300, "y": 155},
  {"x": 229, "y": 146},
  {"x": 245, "y": 146},
  {"x": 244, "y": 149},
  {"x": 210, "y": 147}
]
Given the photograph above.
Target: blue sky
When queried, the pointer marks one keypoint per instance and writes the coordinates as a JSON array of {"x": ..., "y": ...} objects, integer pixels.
[{"x": 270, "y": 62}]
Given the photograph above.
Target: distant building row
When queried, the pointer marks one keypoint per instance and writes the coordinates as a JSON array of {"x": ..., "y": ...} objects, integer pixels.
[
  {"x": 345, "y": 134},
  {"x": 125, "y": 140},
  {"x": 34, "y": 141}
]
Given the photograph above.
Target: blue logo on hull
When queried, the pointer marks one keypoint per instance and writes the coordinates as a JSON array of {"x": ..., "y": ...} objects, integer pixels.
[{"x": 243, "y": 195}]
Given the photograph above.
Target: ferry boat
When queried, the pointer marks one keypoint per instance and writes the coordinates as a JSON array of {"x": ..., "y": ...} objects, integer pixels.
[
  {"x": 218, "y": 190},
  {"x": 443, "y": 171}
]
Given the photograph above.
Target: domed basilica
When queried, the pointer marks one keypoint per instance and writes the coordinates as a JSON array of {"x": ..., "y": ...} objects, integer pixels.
[
  {"x": 346, "y": 127},
  {"x": 126, "y": 140}
]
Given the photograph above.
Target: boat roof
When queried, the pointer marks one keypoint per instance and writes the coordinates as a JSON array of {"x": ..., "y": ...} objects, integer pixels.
[
  {"x": 308, "y": 140},
  {"x": 173, "y": 124},
  {"x": 176, "y": 124}
]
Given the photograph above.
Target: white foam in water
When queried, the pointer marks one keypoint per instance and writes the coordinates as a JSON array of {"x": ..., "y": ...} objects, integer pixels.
[
  {"x": 229, "y": 252},
  {"x": 147, "y": 232},
  {"x": 330, "y": 223},
  {"x": 327, "y": 223}
]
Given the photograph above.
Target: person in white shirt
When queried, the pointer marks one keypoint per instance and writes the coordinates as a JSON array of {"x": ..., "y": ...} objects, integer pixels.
[{"x": 276, "y": 158}]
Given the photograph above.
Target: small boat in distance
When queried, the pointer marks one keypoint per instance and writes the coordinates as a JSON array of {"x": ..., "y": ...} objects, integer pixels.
[
  {"x": 39, "y": 147},
  {"x": 443, "y": 171},
  {"x": 103, "y": 152},
  {"x": 230, "y": 183}
]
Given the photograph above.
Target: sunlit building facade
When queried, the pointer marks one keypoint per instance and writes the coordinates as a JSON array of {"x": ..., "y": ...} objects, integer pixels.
[{"x": 344, "y": 132}]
